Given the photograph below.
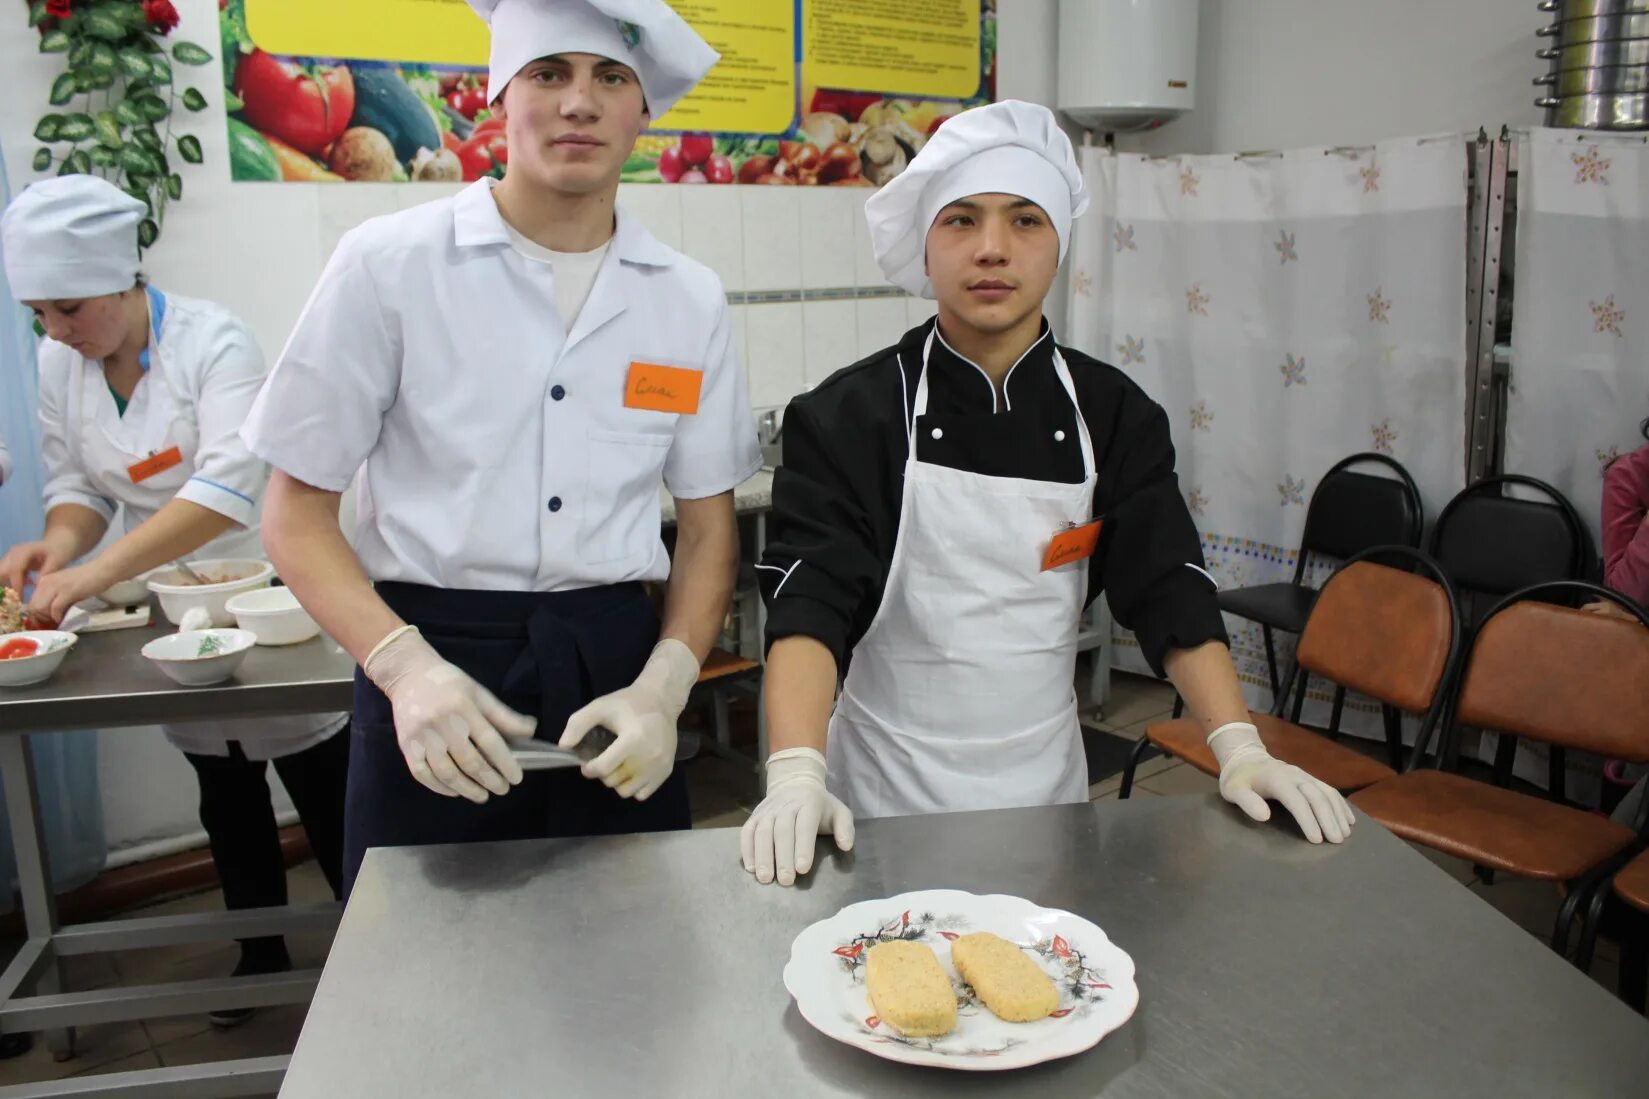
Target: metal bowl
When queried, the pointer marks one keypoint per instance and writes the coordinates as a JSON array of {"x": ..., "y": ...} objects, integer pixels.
[
  {"x": 1598, "y": 112},
  {"x": 1582, "y": 9},
  {"x": 1615, "y": 79},
  {"x": 1598, "y": 28},
  {"x": 1597, "y": 55}
]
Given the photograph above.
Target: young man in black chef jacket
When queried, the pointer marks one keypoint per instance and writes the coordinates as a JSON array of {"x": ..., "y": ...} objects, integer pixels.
[{"x": 946, "y": 510}]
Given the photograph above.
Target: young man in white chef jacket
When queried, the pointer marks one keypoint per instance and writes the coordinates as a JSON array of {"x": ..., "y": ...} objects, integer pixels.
[
  {"x": 519, "y": 368},
  {"x": 947, "y": 509}
]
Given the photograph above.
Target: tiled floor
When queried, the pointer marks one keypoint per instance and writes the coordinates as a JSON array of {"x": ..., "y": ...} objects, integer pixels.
[{"x": 723, "y": 794}]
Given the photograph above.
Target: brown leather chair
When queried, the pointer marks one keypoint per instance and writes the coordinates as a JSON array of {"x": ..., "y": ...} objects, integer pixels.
[
  {"x": 1632, "y": 886},
  {"x": 1546, "y": 673},
  {"x": 1389, "y": 634}
]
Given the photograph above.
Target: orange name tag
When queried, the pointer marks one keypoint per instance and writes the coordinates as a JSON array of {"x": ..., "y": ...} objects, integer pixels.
[
  {"x": 663, "y": 388},
  {"x": 1076, "y": 544},
  {"x": 153, "y": 464}
]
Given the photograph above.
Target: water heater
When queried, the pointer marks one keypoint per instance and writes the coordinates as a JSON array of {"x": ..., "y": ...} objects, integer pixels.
[{"x": 1126, "y": 64}]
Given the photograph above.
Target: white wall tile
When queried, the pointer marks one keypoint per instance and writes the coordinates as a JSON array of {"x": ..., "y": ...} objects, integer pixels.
[
  {"x": 657, "y": 206},
  {"x": 340, "y": 209},
  {"x": 740, "y": 315},
  {"x": 408, "y": 195},
  {"x": 918, "y": 310},
  {"x": 772, "y": 236},
  {"x": 865, "y": 269},
  {"x": 831, "y": 331},
  {"x": 827, "y": 236},
  {"x": 775, "y": 347},
  {"x": 712, "y": 232},
  {"x": 881, "y": 323}
]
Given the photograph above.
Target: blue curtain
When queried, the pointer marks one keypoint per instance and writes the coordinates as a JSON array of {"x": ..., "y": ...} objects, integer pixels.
[{"x": 71, "y": 805}]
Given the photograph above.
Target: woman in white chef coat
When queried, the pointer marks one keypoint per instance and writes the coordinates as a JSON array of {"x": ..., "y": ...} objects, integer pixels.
[
  {"x": 517, "y": 370},
  {"x": 142, "y": 396}
]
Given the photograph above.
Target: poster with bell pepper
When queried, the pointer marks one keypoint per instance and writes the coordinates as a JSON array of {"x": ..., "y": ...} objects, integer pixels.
[{"x": 315, "y": 95}]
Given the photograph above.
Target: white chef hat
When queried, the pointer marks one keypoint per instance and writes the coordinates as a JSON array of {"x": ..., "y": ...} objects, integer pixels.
[
  {"x": 1008, "y": 148},
  {"x": 71, "y": 237},
  {"x": 667, "y": 55}
]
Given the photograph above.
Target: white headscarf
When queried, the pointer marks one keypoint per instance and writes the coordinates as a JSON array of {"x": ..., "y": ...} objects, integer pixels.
[
  {"x": 668, "y": 56},
  {"x": 71, "y": 237},
  {"x": 1010, "y": 148}
]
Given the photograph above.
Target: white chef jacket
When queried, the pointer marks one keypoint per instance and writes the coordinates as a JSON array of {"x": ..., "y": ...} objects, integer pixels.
[
  {"x": 202, "y": 375},
  {"x": 499, "y": 454}
]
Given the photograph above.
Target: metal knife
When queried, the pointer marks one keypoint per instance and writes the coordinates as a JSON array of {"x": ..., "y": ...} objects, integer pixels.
[{"x": 545, "y": 755}]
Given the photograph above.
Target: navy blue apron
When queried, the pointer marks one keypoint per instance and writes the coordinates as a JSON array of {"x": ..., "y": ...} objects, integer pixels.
[{"x": 545, "y": 654}]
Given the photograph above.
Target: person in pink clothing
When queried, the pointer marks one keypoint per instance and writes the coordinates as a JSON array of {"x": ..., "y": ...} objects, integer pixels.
[{"x": 1626, "y": 524}]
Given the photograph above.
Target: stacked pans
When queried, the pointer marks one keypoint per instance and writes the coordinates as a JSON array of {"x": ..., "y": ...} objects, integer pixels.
[{"x": 1599, "y": 58}]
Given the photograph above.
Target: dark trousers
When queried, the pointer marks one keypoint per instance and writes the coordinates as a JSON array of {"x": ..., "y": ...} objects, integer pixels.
[
  {"x": 546, "y": 654},
  {"x": 239, "y": 818}
]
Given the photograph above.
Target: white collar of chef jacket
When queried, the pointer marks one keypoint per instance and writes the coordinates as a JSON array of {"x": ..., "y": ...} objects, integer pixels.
[{"x": 476, "y": 221}]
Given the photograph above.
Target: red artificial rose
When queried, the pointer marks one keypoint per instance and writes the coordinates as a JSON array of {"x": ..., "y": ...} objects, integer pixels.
[
  {"x": 161, "y": 14},
  {"x": 57, "y": 9}
]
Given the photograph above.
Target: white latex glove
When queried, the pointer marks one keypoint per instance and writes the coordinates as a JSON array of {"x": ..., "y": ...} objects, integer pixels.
[
  {"x": 448, "y": 725},
  {"x": 642, "y": 717},
  {"x": 779, "y": 838},
  {"x": 1250, "y": 775}
]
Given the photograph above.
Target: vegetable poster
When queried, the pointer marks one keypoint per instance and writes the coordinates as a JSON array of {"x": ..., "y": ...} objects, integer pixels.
[{"x": 808, "y": 92}]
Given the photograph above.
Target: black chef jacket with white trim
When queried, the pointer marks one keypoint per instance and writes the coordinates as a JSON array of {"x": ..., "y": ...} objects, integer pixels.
[{"x": 838, "y": 495}]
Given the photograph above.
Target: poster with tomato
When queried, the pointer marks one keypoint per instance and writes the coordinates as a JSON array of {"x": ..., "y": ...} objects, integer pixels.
[{"x": 313, "y": 119}]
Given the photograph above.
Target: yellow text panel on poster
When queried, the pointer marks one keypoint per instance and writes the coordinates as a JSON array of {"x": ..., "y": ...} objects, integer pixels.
[
  {"x": 916, "y": 48},
  {"x": 428, "y": 32},
  {"x": 752, "y": 89}
]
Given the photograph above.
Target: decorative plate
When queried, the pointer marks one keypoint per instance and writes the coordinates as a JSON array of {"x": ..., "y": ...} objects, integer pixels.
[{"x": 1095, "y": 978}]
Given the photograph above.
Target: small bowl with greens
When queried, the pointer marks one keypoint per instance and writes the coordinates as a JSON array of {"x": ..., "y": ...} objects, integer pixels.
[{"x": 200, "y": 658}]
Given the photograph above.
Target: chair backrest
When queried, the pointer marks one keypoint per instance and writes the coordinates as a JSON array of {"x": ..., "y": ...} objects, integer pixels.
[
  {"x": 1559, "y": 675},
  {"x": 1351, "y": 511},
  {"x": 1494, "y": 544},
  {"x": 1385, "y": 632}
]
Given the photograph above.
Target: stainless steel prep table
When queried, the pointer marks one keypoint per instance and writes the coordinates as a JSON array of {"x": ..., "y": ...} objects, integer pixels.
[
  {"x": 651, "y": 965},
  {"x": 107, "y": 684}
]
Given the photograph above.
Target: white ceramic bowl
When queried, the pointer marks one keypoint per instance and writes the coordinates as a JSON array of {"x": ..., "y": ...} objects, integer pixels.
[
  {"x": 127, "y": 593},
  {"x": 200, "y": 658},
  {"x": 273, "y": 616},
  {"x": 25, "y": 671},
  {"x": 177, "y": 595}
]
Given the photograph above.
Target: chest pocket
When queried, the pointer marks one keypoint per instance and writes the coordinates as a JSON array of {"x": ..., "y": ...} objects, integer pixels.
[{"x": 621, "y": 494}]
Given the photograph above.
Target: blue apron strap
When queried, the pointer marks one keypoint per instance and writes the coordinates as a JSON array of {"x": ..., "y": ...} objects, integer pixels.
[{"x": 157, "y": 319}]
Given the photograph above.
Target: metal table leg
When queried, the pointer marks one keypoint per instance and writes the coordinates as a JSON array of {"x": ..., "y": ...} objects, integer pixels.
[{"x": 33, "y": 875}]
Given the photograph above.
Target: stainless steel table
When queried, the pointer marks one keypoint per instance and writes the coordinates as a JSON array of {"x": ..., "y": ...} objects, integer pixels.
[
  {"x": 652, "y": 966},
  {"x": 107, "y": 684}
]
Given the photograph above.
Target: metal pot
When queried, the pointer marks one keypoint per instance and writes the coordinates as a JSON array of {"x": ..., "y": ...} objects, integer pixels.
[
  {"x": 1617, "y": 78},
  {"x": 1598, "y": 28},
  {"x": 1598, "y": 112},
  {"x": 1597, "y": 55},
  {"x": 1582, "y": 9}
]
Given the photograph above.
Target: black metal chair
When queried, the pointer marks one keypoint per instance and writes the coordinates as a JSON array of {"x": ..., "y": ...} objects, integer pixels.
[
  {"x": 1492, "y": 544},
  {"x": 1349, "y": 513}
]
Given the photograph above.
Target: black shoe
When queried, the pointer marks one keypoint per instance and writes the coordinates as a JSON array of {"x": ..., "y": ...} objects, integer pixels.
[
  {"x": 15, "y": 1045},
  {"x": 252, "y": 963}
]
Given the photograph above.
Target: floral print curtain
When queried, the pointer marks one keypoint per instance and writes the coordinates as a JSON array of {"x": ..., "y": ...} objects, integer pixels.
[{"x": 1287, "y": 310}]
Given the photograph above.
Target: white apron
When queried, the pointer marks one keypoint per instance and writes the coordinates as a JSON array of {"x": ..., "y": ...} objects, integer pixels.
[
  {"x": 106, "y": 445},
  {"x": 961, "y": 695}
]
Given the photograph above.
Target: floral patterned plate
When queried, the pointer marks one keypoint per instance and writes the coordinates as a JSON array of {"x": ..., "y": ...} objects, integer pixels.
[{"x": 1097, "y": 993}]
